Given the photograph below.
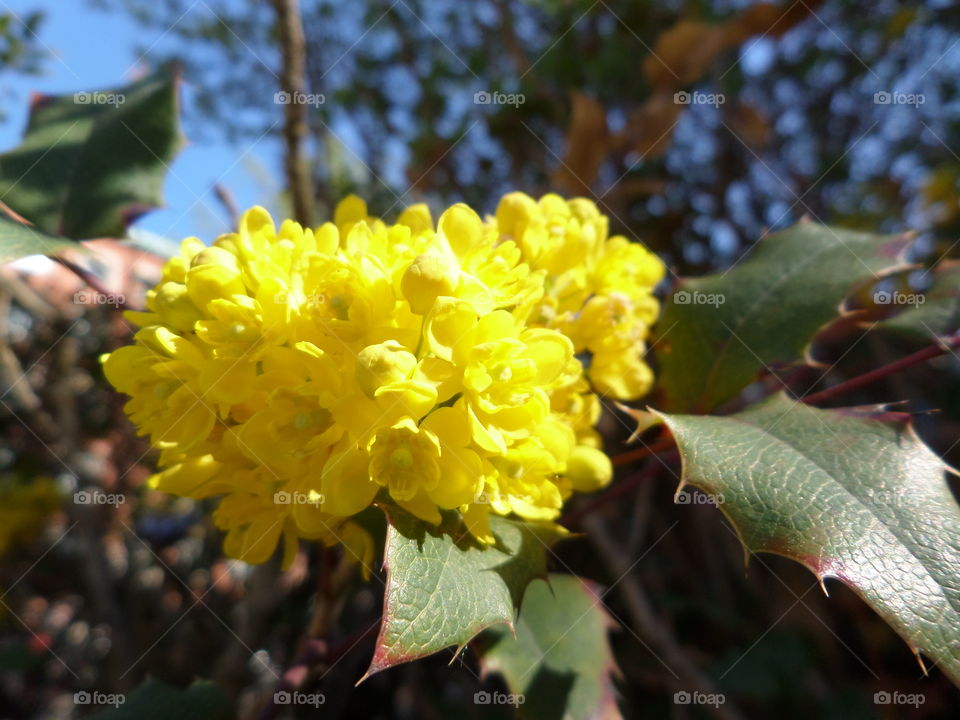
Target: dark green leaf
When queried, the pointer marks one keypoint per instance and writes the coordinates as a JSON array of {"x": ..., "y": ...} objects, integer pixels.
[
  {"x": 18, "y": 240},
  {"x": 90, "y": 163},
  {"x": 443, "y": 587},
  {"x": 156, "y": 700},
  {"x": 559, "y": 665},
  {"x": 717, "y": 333}
]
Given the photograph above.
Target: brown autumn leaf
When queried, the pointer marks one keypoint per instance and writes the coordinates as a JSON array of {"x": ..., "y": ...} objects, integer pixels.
[
  {"x": 686, "y": 50},
  {"x": 769, "y": 20},
  {"x": 683, "y": 53},
  {"x": 650, "y": 126}
]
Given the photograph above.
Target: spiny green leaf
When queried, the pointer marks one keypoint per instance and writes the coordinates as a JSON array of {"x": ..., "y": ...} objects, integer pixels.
[
  {"x": 18, "y": 240},
  {"x": 443, "y": 587},
  {"x": 90, "y": 163},
  {"x": 154, "y": 699},
  {"x": 560, "y": 661},
  {"x": 852, "y": 494},
  {"x": 718, "y": 332}
]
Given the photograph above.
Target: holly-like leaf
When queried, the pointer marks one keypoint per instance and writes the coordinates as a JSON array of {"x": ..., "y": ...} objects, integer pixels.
[
  {"x": 18, "y": 240},
  {"x": 560, "y": 665},
  {"x": 936, "y": 313},
  {"x": 718, "y": 332},
  {"x": 852, "y": 494},
  {"x": 90, "y": 163},
  {"x": 154, "y": 699},
  {"x": 443, "y": 587}
]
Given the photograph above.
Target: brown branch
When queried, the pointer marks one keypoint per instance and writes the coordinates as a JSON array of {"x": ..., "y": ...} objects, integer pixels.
[
  {"x": 941, "y": 347},
  {"x": 293, "y": 85},
  {"x": 685, "y": 674},
  {"x": 26, "y": 296},
  {"x": 573, "y": 518},
  {"x": 229, "y": 204},
  {"x": 313, "y": 653},
  {"x": 664, "y": 443},
  {"x": 314, "y": 648},
  {"x": 91, "y": 280},
  {"x": 18, "y": 382}
]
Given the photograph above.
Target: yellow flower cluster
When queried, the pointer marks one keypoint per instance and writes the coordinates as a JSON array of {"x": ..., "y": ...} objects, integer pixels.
[{"x": 301, "y": 373}]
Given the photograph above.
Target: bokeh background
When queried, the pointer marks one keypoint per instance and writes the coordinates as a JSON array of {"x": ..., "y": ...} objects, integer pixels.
[{"x": 697, "y": 126}]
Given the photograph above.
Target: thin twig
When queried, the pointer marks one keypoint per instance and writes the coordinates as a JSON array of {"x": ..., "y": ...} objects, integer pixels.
[
  {"x": 314, "y": 648},
  {"x": 573, "y": 518},
  {"x": 229, "y": 203},
  {"x": 685, "y": 674},
  {"x": 941, "y": 347},
  {"x": 91, "y": 280},
  {"x": 293, "y": 85},
  {"x": 653, "y": 448}
]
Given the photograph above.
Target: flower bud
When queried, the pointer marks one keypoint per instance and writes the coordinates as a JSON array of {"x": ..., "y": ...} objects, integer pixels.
[
  {"x": 588, "y": 469},
  {"x": 214, "y": 273},
  {"x": 427, "y": 278},
  {"x": 382, "y": 364},
  {"x": 173, "y": 304}
]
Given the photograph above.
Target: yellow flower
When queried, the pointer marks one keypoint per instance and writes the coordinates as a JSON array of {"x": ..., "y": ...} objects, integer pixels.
[{"x": 303, "y": 374}]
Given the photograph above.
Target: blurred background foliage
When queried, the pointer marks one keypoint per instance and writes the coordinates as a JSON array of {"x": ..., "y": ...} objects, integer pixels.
[
  {"x": 799, "y": 131},
  {"x": 103, "y": 597}
]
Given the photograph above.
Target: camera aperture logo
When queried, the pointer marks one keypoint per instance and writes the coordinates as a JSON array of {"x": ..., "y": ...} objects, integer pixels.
[
  {"x": 695, "y": 297},
  {"x": 85, "y": 697},
  {"x": 498, "y": 698},
  {"x": 295, "y": 697},
  {"x": 482, "y": 97}
]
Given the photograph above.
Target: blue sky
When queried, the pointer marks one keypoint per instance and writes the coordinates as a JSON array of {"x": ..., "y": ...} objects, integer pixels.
[{"x": 87, "y": 49}]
